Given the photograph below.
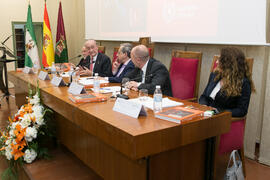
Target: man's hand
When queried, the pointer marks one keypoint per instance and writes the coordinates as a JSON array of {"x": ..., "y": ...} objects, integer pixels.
[
  {"x": 85, "y": 71},
  {"x": 133, "y": 85},
  {"x": 115, "y": 67}
]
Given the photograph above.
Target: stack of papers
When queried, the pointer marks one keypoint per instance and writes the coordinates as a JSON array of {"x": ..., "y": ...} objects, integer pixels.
[
  {"x": 109, "y": 89},
  {"x": 90, "y": 81},
  {"x": 148, "y": 102}
]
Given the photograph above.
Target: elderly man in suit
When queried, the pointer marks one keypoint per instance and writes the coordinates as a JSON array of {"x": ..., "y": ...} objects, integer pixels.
[
  {"x": 148, "y": 72},
  {"x": 123, "y": 64},
  {"x": 95, "y": 62}
]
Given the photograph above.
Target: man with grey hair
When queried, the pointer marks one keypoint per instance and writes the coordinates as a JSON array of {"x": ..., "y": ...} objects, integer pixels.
[
  {"x": 123, "y": 64},
  {"x": 95, "y": 62},
  {"x": 148, "y": 72}
]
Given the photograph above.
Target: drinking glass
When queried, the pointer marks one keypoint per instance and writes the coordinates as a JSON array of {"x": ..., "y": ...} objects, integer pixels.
[
  {"x": 143, "y": 94},
  {"x": 125, "y": 86},
  {"x": 76, "y": 77}
]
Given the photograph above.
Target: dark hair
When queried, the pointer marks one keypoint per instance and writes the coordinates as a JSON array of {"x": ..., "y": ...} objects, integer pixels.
[{"x": 232, "y": 69}]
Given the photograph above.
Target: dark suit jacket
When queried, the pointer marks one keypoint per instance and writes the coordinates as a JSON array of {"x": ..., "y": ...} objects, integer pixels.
[
  {"x": 156, "y": 74},
  {"x": 102, "y": 66},
  {"x": 238, "y": 105},
  {"x": 129, "y": 67}
]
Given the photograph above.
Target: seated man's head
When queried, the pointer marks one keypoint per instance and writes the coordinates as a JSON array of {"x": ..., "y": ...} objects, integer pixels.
[
  {"x": 91, "y": 47},
  {"x": 84, "y": 52},
  {"x": 139, "y": 55},
  {"x": 124, "y": 52}
]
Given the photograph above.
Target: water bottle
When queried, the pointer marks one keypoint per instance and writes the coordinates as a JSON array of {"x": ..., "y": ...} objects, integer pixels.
[
  {"x": 96, "y": 83},
  {"x": 53, "y": 69},
  {"x": 157, "y": 103},
  {"x": 35, "y": 68},
  {"x": 70, "y": 73}
]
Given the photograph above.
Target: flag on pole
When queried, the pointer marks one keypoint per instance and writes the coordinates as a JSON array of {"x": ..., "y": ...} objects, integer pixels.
[
  {"x": 48, "y": 51},
  {"x": 61, "y": 51},
  {"x": 31, "y": 55}
]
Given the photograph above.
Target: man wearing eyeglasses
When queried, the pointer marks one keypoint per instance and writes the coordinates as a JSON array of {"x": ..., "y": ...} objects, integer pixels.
[
  {"x": 123, "y": 64},
  {"x": 94, "y": 62},
  {"x": 148, "y": 72}
]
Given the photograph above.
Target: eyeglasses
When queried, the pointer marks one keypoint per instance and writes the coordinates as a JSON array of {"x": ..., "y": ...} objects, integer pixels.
[{"x": 141, "y": 57}]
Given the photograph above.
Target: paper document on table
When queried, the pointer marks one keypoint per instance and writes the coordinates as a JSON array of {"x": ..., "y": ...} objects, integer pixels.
[
  {"x": 148, "y": 102},
  {"x": 109, "y": 89},
  {"x": 90, "y": 81}
]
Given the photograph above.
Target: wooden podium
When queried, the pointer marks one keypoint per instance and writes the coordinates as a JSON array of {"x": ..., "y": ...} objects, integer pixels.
[{"x": 119, "y": 147}]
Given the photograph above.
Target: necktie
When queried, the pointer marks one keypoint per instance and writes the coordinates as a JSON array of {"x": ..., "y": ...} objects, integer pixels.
[
  {"x": 143, "y": 78},
  {"x": 121, "y": 70},
  {"x": 91, "y": 64}
]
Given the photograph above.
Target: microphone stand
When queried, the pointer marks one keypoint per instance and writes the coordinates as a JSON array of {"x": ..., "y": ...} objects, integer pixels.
[
  {"x": 121, "y": 95},
  {"x": 5, "y": 86}
]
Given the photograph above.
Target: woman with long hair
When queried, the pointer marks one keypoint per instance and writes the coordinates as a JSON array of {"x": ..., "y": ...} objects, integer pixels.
[{"x": 230, "y": 85}]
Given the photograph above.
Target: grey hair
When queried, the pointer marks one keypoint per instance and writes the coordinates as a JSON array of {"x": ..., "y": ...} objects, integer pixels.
[{"x": 126, "y": 48}]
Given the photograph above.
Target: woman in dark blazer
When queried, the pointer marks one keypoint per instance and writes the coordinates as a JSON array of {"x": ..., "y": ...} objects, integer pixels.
[{"x": 230, "y": 85}]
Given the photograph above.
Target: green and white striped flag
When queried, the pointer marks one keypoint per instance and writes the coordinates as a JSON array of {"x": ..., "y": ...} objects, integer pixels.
[{"x": 31, "y": 55}]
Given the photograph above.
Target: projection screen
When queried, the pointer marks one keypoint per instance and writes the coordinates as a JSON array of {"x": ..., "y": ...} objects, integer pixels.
[{"x": 177, "y": 21}]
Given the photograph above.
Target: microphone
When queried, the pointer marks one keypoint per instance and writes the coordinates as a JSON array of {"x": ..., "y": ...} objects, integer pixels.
[
  {"x": 61, "y": 64},
  {"x": 6, "y": 39},
  {"x": 7, "y": 49},
  {"x": 75, "y": 57},
  {"x": 148, "y": 76}
]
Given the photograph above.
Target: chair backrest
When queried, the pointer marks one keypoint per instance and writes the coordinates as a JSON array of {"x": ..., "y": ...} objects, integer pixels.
[
  {"x": 216, "y": 57},
  {"x": 185, "y": 70},
  {"x": 235, "y": 137},
  {"x": 115, "y": 51},
  {"x": 101, "y": 49},
  {"x": 147, "y": 42}
]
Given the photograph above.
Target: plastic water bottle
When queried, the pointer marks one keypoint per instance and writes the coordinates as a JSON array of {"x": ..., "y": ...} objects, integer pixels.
[
  {"x": 157, "y": 99},
  {"x": 96, "y": 83},
  {"x": 53, "y": 69},
  {"x": 35, "y": 68},
  {"x": 70, "y": 73}
]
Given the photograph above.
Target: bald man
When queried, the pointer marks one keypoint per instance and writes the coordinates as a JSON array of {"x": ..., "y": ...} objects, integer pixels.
[
  {"x": 148, "y": 72},
  {"x": 94, "y": 62}
]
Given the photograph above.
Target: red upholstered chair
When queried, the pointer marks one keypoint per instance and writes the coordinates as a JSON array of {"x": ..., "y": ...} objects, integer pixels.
[
  {"x": 147, "y": 42},
  {"x": 234, "y": 139},
  {"x": 115, "y": 52},
  {"x": 185, "y": 72},
  {"x": 101, "y": 49},
  {"x": 214, "y": 63}
]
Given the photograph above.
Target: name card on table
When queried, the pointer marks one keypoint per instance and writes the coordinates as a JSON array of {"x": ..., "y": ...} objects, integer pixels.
[
  {"x": 43, "y": 76},
  {"x": 76, "y": 89},
  {"x": 57, "y": 81},
  {"x": 129, "y": 108},
  {"x": 28, "y": 70}
]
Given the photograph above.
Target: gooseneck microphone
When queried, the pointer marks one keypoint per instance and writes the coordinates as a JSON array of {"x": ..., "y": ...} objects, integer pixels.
[
  {"x": 61, "y": 64},
  {"x": 6, "y": 39},
  {"x": 75, "y": 57},
  {"x": 147, "y": 76}
]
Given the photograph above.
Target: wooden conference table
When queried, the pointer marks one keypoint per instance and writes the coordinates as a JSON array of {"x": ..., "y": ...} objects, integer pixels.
[{"x": 119, "y": 147}]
